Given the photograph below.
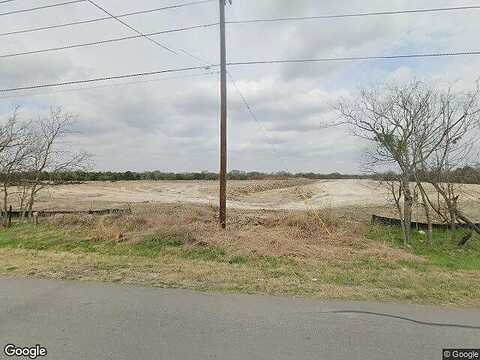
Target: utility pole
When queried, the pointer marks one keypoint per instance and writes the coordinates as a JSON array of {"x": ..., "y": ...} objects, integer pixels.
[{"x": 223, "y": 119}]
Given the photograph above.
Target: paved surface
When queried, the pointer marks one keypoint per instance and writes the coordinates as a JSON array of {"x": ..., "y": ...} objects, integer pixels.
[{"x": 98, "y": 321}]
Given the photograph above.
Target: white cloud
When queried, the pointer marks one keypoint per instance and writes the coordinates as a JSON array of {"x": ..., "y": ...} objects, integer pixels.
[{"x": 171, "y": 122}]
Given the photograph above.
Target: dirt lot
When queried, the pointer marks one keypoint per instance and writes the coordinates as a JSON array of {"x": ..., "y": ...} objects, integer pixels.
[{"x": 297, "y": 194}]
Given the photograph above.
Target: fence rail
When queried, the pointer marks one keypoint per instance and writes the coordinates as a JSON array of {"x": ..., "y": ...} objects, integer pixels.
[
  {"x": 381, "y": 220},
  {"x": 45, "y": 213}
]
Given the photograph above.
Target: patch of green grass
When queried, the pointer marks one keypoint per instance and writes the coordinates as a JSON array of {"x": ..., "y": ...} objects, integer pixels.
[
  {"x": 32, "y": 237},
  {"x": 239, "y": 259},
  {"x": 167, "y": 260},
  {"x": 204, "y": 253},
  {"x": 444, "y": 251},
  {"x": 165, "y": 240},
  {"x": 50, "y": 238},
  {"x": 43, "y": 237}
]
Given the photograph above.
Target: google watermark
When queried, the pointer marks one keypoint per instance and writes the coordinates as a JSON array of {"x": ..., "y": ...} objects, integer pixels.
[
  {"x": 461, "y": 354},
  {"x": 32, "y": 352}
]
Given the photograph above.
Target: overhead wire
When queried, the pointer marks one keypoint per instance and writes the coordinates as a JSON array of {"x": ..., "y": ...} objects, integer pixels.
[
  {"x": 355, "y": 58},
  {"x": 101, "y": 79},
  {"x": 12, "y": 12},
  {"x": 131, "y": 27},
  {"x": 102, "y": 42},
  {"x": 246, "y": 21},
  {"x": 253, "y": 115},
  {"x": 140, "y": 34},
  {"x": 353, "y": 15},
  {"x": 209, "y": 73},
  {"x": 89, "y": 21},
  {"x": 244, "y": 63}
]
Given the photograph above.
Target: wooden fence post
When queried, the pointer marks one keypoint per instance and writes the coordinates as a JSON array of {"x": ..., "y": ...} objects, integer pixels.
[{"x": 9, "y": 216}]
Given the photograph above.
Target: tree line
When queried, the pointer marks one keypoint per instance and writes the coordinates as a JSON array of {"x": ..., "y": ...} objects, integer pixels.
[
  {"x": 464, "y": 175},
  {"x": 79, "y": 176}
]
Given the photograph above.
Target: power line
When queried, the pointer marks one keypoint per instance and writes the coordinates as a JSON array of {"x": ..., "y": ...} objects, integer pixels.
[
  {"x": 147, "y": 36},
  {"x": 123, "y": 15},
  {"x": 6, "y": 1},
  {"x": 105, "y": 78},
  {"x": 107, "y": 41},
  {"x": 352, "y": 15},
  {"x": 248, "y": 21},
  {"x": 245, "y": 63},
  {"x": 247, "y": 105},
  {"x": 110, "y": 85},
  {"x": 131, "y": 27},
  {"x": 356, "y": 58},
  {"x": 257, "y": 120},
  {"x": 42, "y": 7}
]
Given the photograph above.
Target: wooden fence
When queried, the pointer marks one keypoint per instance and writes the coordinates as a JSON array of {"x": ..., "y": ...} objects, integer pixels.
[
  {"x": 415, "y": 225},
  {"x": 45, "y": 213}
]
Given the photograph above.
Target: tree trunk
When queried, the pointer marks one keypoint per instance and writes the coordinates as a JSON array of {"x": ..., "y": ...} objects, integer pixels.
[
  {"x": 470, "y": 223},
  {"x": 453, "y": 221},
  {"x": 426, "y": 208},
  {"x": 429, "y": 219},
  {"x": 400, "y": 216},
  {"x": 30, "y": 202},
  {"x": 429, "y": 224},
  {"x": 9, "y": 223},
  {"x": 5, "y": 205},
  {"x": 465, "y": 238},
  {"x": 407, "y": 210}
]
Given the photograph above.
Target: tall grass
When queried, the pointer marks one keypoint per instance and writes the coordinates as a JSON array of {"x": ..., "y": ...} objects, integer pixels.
[{"x": 444, "y": 251}]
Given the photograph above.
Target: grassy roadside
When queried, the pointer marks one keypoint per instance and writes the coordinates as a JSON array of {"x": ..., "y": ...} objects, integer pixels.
[
  {"x": 173, "y": 256},
  {"x": 444, "y": 253}
]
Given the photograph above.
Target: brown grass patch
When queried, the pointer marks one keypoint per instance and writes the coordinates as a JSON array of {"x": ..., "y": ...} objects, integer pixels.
[
  {"x": 321, "y": 253},
  {"x": 317, "y": 234}
]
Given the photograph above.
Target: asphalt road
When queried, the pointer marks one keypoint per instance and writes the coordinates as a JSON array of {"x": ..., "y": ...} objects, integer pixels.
[{"x": 97, "y": 321}]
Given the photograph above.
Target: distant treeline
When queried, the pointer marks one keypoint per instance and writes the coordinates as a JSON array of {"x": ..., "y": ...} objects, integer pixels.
[
  {"x": 467, "y": 174},
  {"x": 73, "y": 176},
  {"x": 463, "y": 175}
]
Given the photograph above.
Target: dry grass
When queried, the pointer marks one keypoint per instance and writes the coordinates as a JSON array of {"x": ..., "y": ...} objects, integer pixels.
[
  {"x": 318, "y": 279},
  {"x": 318, "y": 234},
  {"x": 319, "y": 253}
]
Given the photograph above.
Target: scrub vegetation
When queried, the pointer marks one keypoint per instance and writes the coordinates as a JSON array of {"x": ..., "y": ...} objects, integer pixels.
[{"x": 320, "y": 254}]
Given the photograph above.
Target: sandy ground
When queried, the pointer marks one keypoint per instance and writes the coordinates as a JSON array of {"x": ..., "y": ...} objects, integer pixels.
[{"x": 268, "y": 194}]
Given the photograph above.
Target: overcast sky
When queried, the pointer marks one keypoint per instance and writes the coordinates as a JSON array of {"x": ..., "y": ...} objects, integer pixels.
[{"x": 170, "y": 122}]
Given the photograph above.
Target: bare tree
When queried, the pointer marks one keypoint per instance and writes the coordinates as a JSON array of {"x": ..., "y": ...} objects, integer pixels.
[
  {"x": 15, "y": 141},
  {"x": 415, "y": 129},
  {"x": 49, "y": 153},
  {"x": 389, "y": 117},
  {"x": 453, "y": 132}
]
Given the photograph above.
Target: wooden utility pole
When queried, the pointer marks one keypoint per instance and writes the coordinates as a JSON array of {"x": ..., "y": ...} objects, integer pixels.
[{"x": 223, "y": 119}]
